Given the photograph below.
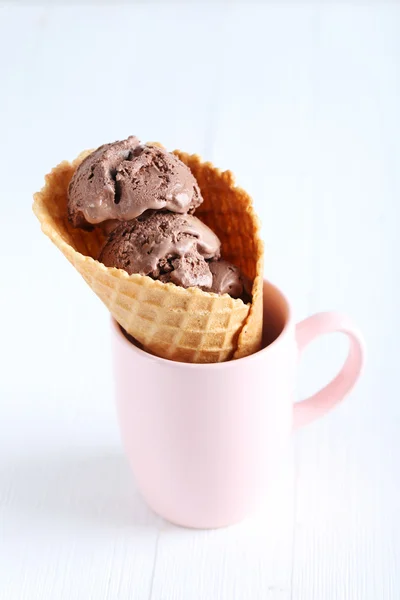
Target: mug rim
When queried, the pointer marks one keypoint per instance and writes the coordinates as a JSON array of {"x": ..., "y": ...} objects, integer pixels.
[{"x": 117, "y": 330}]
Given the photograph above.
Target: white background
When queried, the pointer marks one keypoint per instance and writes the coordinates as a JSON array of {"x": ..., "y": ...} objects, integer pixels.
[{"x": 301, "y": 101}]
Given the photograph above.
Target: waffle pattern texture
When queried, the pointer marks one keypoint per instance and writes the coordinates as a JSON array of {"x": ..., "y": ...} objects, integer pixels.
[{"x": 186, "y": 325}]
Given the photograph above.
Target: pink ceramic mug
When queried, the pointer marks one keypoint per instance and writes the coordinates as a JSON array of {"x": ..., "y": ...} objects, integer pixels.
[{"x": 204, "y": 440}]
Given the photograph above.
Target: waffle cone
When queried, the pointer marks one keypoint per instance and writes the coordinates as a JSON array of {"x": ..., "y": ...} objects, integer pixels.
[{"x": 186, "y": 325}]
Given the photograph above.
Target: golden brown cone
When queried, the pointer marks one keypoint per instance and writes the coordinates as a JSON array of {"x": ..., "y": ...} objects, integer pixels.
[{"x": 180, "y": 324}]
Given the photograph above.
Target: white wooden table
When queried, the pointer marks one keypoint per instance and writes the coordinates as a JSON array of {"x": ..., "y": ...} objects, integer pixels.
[{"x": 302, "y": 102}]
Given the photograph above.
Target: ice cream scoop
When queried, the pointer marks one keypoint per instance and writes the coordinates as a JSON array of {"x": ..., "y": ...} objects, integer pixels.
[
  {"x": 165, "y": 246},
  {"x": 227, "y": 279},
  {"x": 124, "y": 179}
]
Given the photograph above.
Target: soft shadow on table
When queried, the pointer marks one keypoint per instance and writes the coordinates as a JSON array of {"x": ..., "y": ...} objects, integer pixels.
[{"x": 93, "y": 490}]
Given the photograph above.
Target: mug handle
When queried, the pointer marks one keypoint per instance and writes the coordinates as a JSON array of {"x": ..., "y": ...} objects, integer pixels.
[{"x": 320, "y": 403}]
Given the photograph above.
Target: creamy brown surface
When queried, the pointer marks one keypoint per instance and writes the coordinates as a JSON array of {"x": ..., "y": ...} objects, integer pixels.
[
  {"x": 165, "y": 246},
  {"x": 124, "y": 179},
  {"x": 227, "y": 279}
]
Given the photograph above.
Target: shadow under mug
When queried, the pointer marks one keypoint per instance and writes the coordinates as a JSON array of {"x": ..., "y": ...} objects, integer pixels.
[{"x": 205, "y": 440}]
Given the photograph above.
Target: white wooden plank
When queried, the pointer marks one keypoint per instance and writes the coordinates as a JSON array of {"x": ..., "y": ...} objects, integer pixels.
[
  {"x": 72, "y": 525},
  {"x": 347, "y": 537}
]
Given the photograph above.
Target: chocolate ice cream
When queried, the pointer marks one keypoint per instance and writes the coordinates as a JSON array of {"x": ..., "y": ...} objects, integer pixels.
[
  {"x": 165, "y": 246},
  {"x": 227, "y": 279},
  {"x": 140, "y": 195},
  {"x": 124, "y": 179}
]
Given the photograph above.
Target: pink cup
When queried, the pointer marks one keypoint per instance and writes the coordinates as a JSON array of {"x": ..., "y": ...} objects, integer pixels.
[{"x": 204, "y": 441}]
